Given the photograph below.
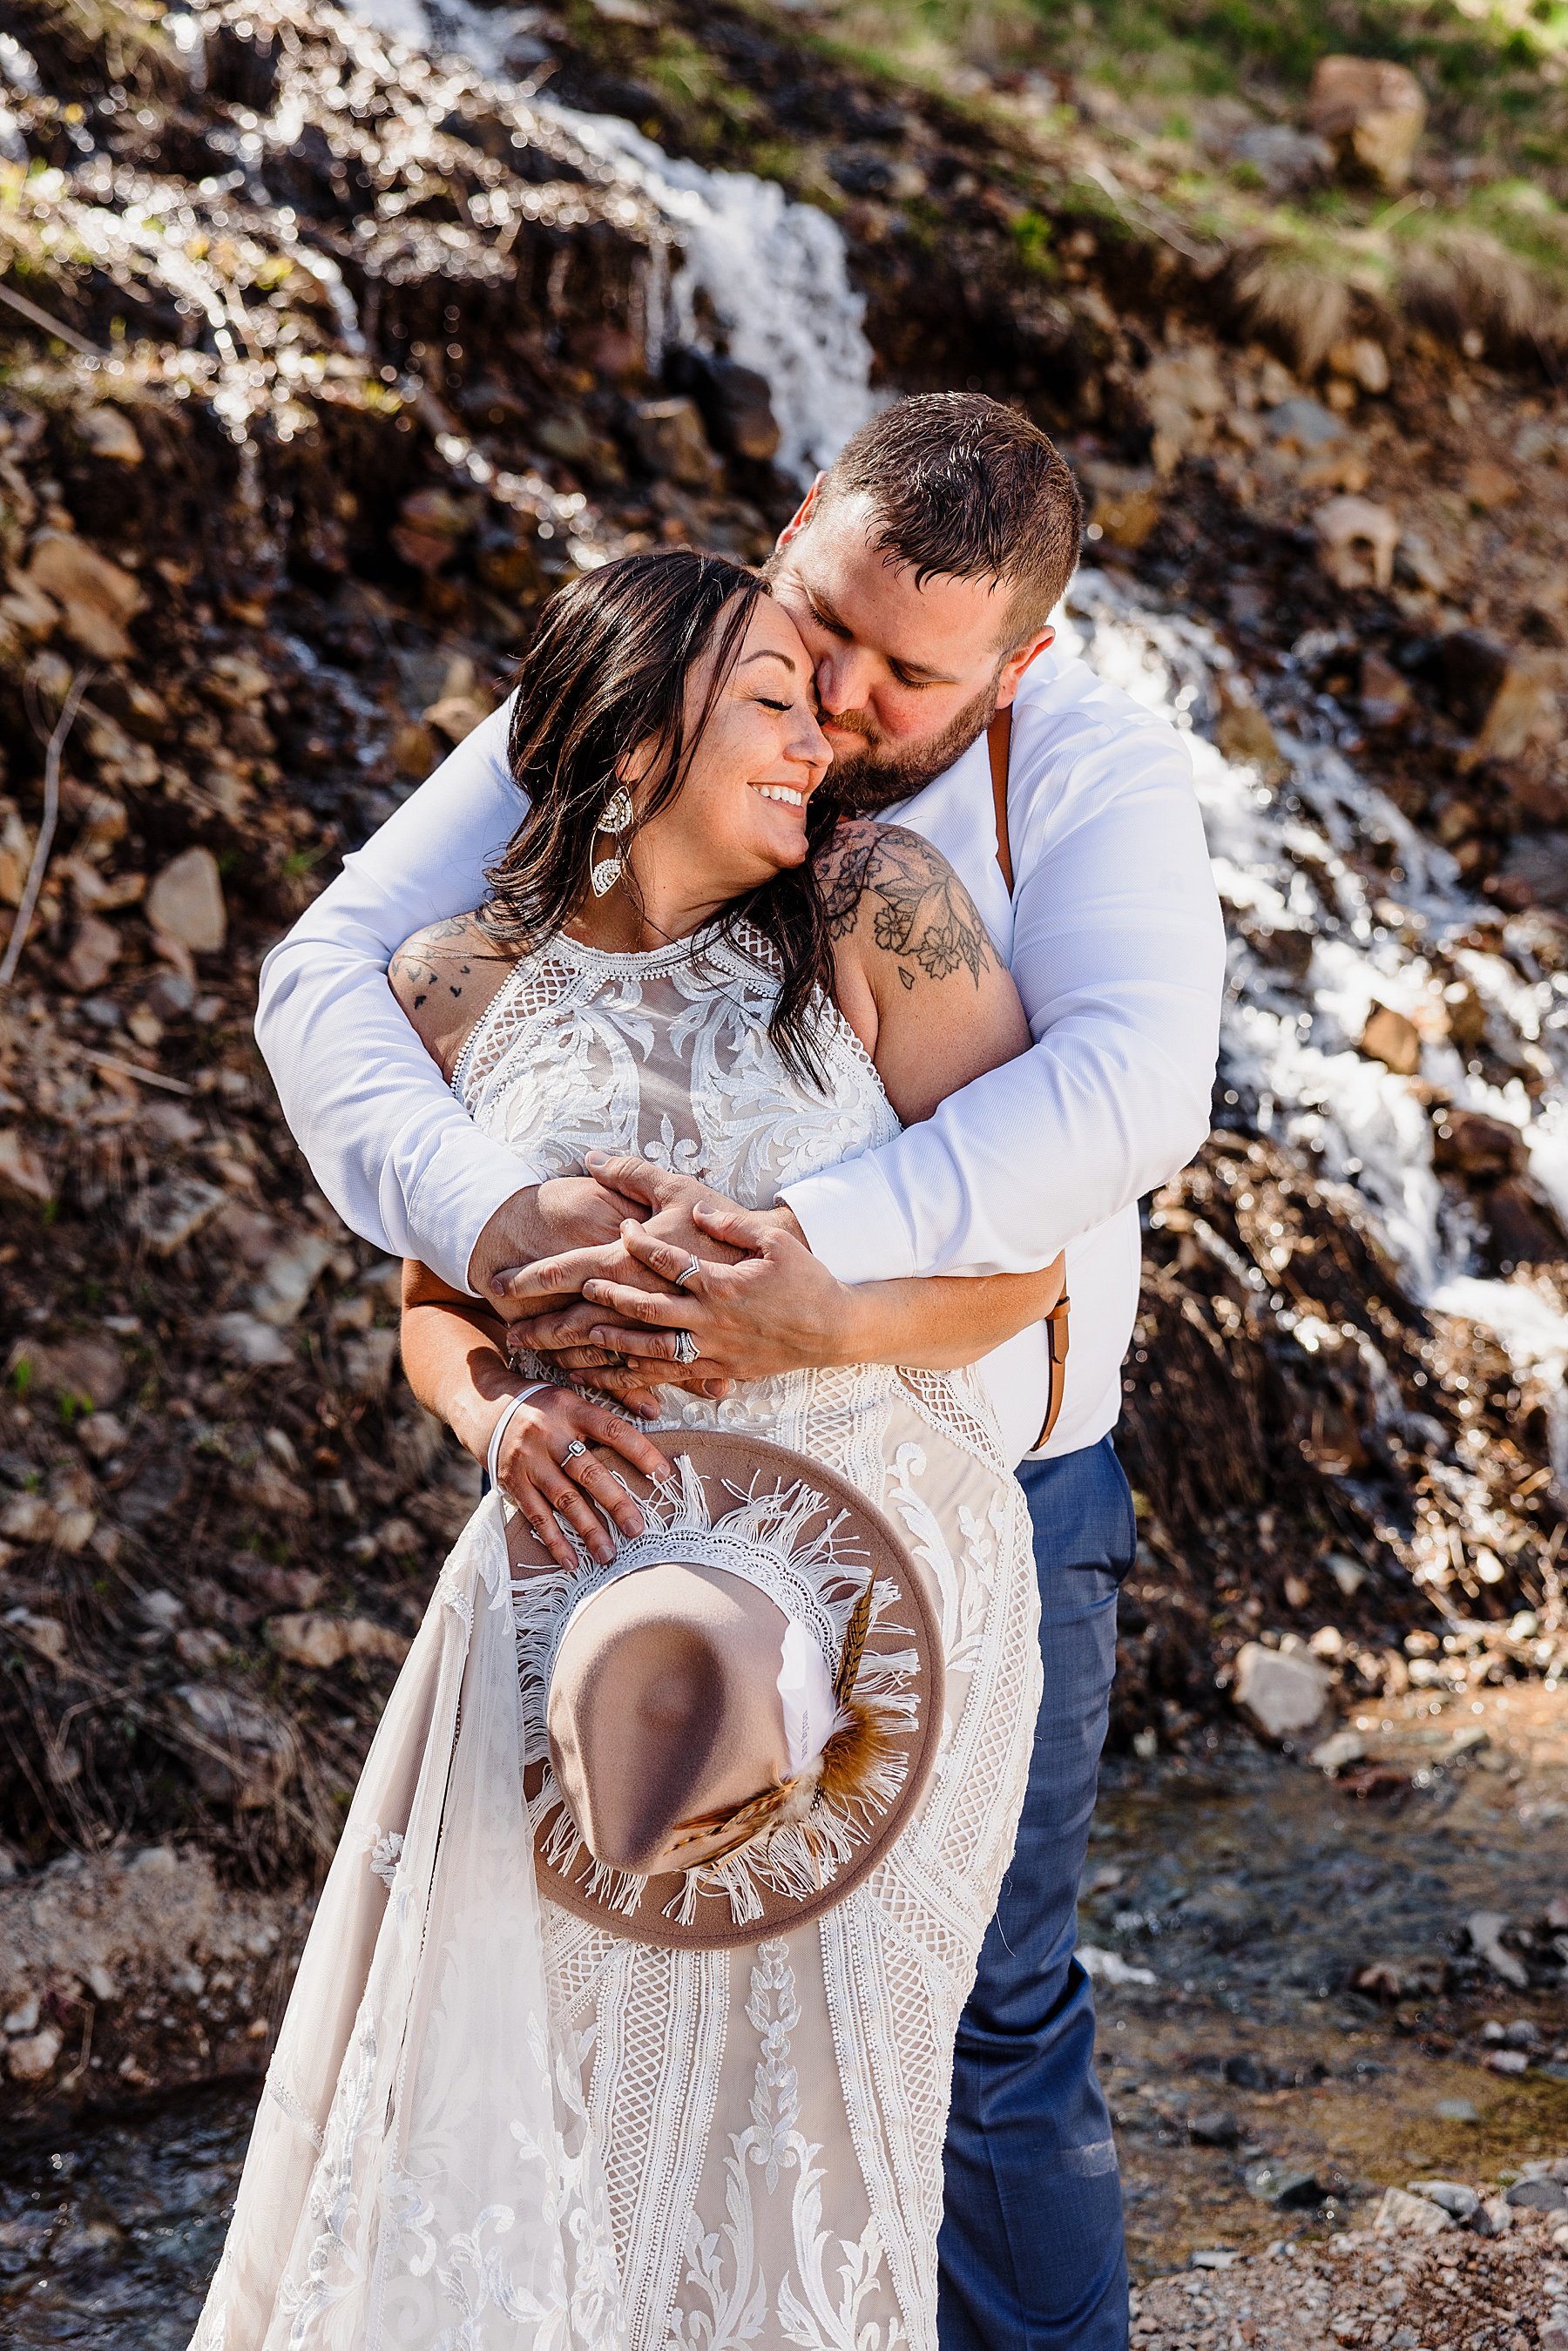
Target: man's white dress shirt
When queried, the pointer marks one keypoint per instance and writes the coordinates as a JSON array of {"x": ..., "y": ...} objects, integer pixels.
[{"x": 1115, "y": 940}]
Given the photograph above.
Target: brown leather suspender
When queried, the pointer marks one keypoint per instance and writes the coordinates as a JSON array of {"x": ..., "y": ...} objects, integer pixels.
[{"x": 998, "y": 743}]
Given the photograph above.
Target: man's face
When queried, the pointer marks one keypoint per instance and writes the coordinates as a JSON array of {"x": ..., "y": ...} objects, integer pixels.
[{"x": 907, "y": 676}]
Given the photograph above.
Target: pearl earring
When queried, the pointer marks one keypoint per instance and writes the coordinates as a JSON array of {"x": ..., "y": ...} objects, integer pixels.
[{"x": 617, "y": 816}]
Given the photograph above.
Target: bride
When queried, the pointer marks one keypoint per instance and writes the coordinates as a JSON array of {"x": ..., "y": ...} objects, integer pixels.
[{"x": 554, "y": 2087}]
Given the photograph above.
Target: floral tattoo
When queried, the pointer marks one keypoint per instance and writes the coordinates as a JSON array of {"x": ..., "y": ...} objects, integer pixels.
[{"x": 921, "y": 913}]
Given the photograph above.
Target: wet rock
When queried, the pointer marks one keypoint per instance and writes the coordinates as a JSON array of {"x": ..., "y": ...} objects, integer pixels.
[
  {"x": 1401, "y": 2213},
  {"x": 96, "y": 599},
  {"x": 1485, "y": 1929},
  {"x": 1358, "y": 539},
  {"x": 1468, "y": 1142},
  {"x": 669, "y": 439},
  {"x": 1389, "y": 1038},
  {"x": 238, "y": 1751},
  {"x": 172, "y": 1210},
  {"x": 1286, "y": 2186},
  {"x": 1384, "y": 697},
  {"x": 34, "y": 2058},
  {"x": 323, "y": 1641},
  {"x": 1336, "y": 1754},
  {"x": 95, "y": 951},
  {"x": 186, "y": 902},
  {"x": 1283, "y": 1692},
  {"x": 734, "y": 401},
  {"x": 1537, "y": 2196},
  {"x": 1216, "y": 2129},
  {"x": 1451, "y": 2196},
  {"x": 1372, "y": 114}
]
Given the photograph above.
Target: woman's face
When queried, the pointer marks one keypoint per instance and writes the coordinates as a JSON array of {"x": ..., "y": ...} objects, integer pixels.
[{"x": 740, "y": 816}]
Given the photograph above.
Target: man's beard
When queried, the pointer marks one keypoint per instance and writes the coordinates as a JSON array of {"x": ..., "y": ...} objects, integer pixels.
[{"x": 874, "y": 777}]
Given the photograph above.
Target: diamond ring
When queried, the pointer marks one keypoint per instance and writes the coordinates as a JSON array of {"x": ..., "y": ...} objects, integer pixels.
[
  {"x": 686, "y": 1349},
  {"x": 693, "y": 1265},
  {"x": 572, "y": 1450}
]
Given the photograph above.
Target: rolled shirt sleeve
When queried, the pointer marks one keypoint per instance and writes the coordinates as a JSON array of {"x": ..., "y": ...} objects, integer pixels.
[
  {"x": 395, "y": 1153},
  {"x": 1118, "y": 954}
]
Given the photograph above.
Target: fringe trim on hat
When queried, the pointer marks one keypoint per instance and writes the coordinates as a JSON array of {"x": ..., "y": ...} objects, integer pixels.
[{"x": 791, "y": 1840}]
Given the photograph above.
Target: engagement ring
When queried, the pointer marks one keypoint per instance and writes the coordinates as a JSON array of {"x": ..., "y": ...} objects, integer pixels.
[
  {"x": 686, "y": 1348},
  {"x": 572, "y": 1450}
]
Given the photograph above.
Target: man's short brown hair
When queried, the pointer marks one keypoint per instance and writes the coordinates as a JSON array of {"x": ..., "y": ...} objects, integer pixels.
[{"x": 961, "y": 484}]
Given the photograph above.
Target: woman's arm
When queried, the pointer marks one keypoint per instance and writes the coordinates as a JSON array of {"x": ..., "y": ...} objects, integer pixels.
[{"x": 454, "y": 1356}]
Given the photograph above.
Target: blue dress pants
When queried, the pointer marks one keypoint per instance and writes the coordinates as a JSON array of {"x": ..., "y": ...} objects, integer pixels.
[{"x": 1031, "y": 2255}]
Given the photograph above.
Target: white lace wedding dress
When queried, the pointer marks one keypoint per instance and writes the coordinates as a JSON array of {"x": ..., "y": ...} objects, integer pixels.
[{"x": 493, "y": 2126}]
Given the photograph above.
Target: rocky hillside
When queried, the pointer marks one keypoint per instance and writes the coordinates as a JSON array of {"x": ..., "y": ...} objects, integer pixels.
[{"x": 322, "y": 360}]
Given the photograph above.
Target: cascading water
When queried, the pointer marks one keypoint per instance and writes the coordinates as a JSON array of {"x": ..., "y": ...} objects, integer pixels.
[
  {"x": 1291, "y": 858},
  {"x": 774, "y": 273}
]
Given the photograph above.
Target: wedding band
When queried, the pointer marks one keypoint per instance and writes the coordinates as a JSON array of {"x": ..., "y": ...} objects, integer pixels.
[
  {"x": 686, "y": 1350},
  {"x": 572, "y": 1450},
  {"x": 693, "y": 1265}
]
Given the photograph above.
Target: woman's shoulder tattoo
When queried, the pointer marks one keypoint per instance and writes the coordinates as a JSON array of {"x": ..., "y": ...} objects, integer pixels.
[
  {"x": 441, "y": 960},
  {"x": 919, "y": 911}
]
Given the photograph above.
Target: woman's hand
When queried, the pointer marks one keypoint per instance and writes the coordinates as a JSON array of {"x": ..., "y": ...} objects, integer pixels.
[
  {"x": 777, "y": 1310},
  {"x": 558, "y": 1461}
]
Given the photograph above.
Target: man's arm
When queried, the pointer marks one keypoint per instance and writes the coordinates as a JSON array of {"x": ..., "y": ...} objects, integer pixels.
[
  {"x": 396, "y": 1156},
  {"x": 1119, "y": 957}
]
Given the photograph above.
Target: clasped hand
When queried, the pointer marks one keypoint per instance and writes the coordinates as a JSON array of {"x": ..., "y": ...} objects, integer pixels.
[{"x": 756, "y": 1301}]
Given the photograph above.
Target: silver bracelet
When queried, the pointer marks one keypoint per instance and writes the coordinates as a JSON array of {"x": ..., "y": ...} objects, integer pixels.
[{"x": 492, "y": 1452}]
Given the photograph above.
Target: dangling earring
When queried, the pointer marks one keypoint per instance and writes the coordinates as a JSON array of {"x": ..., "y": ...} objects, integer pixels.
[{"x": 617, "y": 816}]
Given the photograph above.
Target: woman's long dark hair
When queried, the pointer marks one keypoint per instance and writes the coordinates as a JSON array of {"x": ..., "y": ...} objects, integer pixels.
[{"x": 608, "y": 673}]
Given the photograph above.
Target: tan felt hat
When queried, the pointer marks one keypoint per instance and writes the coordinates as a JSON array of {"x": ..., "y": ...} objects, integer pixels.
[{"x": 739, "y": 1711}]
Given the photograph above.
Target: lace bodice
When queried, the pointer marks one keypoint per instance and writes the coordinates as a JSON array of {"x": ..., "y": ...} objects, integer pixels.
[{"x": 666, "y": 1054}]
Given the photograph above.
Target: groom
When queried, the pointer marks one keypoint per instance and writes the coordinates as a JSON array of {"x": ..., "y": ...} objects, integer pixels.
[{"x": 921, "y": 571}]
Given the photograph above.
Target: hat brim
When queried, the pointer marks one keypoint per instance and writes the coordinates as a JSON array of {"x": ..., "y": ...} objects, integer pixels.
[{"x": 904, "y": 1638}]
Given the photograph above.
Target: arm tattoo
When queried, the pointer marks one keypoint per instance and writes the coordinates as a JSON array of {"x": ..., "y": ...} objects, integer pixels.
[
  {"x": 921, "y": 913},
  {"x": 421, "y": 964}
]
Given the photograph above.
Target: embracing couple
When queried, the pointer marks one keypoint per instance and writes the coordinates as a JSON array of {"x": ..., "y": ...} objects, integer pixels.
[{"x": 748, "y": 1039}]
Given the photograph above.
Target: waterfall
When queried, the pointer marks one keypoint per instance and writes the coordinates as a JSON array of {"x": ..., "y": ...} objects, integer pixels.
[{"x": 1287, "y": 857}]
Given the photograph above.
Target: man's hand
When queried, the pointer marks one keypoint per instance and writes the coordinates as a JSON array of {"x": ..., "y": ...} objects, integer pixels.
[
  {"x": 776, "y": 1310},
  {"x": 566, "y": 1212}
]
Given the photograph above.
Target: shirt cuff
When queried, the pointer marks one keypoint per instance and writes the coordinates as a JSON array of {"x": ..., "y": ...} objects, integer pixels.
[
  {"x": 852, "y": 1222},
  {"x": 465, "y": 1188}
]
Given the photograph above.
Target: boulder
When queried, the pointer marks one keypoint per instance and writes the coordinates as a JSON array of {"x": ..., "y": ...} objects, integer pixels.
[
  {"x": 1450, "y": 2196},
  {"x": 1468, "y": 1142},
  {"x": 1284, "y": 1691},
  {"x": 734, "y": 401},
  {"x": 186, "y": 902},
  {"x": 1400, "y": 2213},
  {"x": 96, "y": 597},
  {"x": 1389, "y": 1038},
  {"x": 1372, "y": 114},
  {"x": 669, "y": 438}
]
